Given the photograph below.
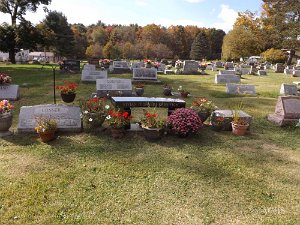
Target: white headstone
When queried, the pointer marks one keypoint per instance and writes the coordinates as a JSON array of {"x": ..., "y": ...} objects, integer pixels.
[
  {"x": 114, "y": 87},
  {"x": 9, "y": 92},
  {"x": 240, "y": 89},
  {"x": 221, "y": 79},
  {"x": 144, "y": 74},
  {"x": 67, "y": 117},
  {"x": 288, "y": 89}
]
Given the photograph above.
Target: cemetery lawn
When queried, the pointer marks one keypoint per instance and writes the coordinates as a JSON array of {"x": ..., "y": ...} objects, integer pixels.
[{"x": 209, "y": 178}]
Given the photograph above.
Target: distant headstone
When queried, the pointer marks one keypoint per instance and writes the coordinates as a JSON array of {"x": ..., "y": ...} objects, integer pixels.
[
  {"x": 67, "y": 117},
  {"x": 229, "y": 65},
  {"x": 279, "y": 68},
  {"x": 227, "y": 72},
  {"x": 209, "y": 67},
  {"x": 219, "y": 79},
  {"x": 9, "y": 92},
  {"x": 219, "y": 64},
  {"x": 120, "y": 64},
  {"x": 114, "y": 87},
  {"x": 72, "y": 64},
  {"x": 288, "y": 71},
  {"x": 228, "y": 117},
  {"x": 161, "y": 68},
  {"x": 288, "y": 89},
  {"x": 296, "y": 67},
  {"x": 287, "y": 111},
  {"x": 89, "y": 67},
  {"x": 296, "y": 73},
  {"x": 262, "y": 73},
  {"x": 137, "y": 65},
  {"x": 245, "y": 71},
  {"x": 253, "y": 70},
  {"x": 190, "y": 67},
  {"x": 240, "y": 89},
  {"x": 92, "y": 76},
  {"x": 144, "y": 74}
]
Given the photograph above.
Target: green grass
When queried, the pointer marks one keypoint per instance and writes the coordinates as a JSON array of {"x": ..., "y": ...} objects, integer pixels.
[{"x": 209, "y": 178}]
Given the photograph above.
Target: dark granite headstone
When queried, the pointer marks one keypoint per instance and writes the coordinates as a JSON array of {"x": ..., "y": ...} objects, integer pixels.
[
  {"x": 72, "y": 64},
  {"x": 279, "y": 68}
]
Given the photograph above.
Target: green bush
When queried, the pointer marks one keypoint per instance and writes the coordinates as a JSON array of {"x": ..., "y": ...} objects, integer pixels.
[{"x": 274, "y": 56}]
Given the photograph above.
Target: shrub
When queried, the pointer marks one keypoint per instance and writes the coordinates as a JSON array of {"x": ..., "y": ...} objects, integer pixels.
[
  {"x": 184, "y": 121},
  {"x": 274, "y": 56}
]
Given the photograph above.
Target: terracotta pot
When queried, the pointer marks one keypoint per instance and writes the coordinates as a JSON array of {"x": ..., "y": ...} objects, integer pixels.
[
  {"x": 152, "y": 134},
  {"x": 5, "y": 121},
  {"x": 139, "y": 91},
  {"x": 47, "y": 136},
  {"x": 239, "y": 129},
  {"x": 117, "y": 132},
  {"x": 68, "y": 98}
]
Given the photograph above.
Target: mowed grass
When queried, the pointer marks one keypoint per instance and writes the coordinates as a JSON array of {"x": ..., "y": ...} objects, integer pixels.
[{"x": 209, "y": 178}]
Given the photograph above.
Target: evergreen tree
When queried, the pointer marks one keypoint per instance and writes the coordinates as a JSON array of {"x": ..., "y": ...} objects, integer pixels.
[{"x": 200, "y": 48}]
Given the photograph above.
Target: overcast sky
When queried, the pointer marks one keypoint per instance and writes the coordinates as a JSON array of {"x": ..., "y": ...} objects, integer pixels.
[{"x": 203, "y": 13}]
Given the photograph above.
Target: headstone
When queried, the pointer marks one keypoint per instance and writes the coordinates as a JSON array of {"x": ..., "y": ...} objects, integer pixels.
[
  {"x": 120, "y": 64},
  {"x": 67, "y": 117},
  {"x": 209, "y": 67},
  {"x": 161, "y": 68},
  {"x": 253, "y": 70},
  {"x": 94, "y": 61},
  {"x": 288, "y": 71},
  {"x": 240, "y": 89},
  {"x": 72, "y": 64},
  {"x": 219, "y": 79},
  {"x": 228, "y": 117},
  {"x": 262, "y": 73},
  {"x": 279, "y": 68},
  {"x": 89, "y": 67},
  {"x": 92, "y": 76},
  {"x": 287, "y": 111},
  {"x": 144, "y": 74},
  {"x": 227, "y": 72},
  {"x": 137, "y": 65},
  {"x": 245, "y": 71},
  {"x": 113, "y": 87},
  {"x": 288, "y": 89},
  {"x": 296, "y": 67},
  {"x": 219, "y": 64},
  {"x": 9, "y": 92},
  {"x": 190, "y": 67},
  {"x": 296, "y": 73},
  {"x": 229, "y": 65}
]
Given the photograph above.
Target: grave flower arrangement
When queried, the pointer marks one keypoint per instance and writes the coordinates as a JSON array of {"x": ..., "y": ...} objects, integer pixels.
[
  {"x": 203, "y": 107},
  {"x": 94, "y": 112},
  {"x": 5, "y": 107},
  {"x": 118, "y": 119},
  {"x": 184, "y": 121},
  {"x": 5, "y": 79},
  {"x": 148, "y": 63},
  {"x": 183, "y": 93},
  {"x": 178, "y": 64},
  {"x": 46, "y": 128},
  {"x": 105, "y": 63},
  {"x": 68, "y": 88},
  {"x": 151, "y": 120},
  {"x": 156, "y": 65}
]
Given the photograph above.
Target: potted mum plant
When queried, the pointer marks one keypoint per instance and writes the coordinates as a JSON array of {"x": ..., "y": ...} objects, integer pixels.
[
  {"x": 203, "y": 107},
  {"x": 139, "y": 89},
  {"x": 184, "y": 121},
  {"x": 5, "y": 115},
  {"x": 46, "y": 128},
  {"x": 183, "y": 93},
  {"x": 5, "y": 79},
  {"x": 117, "y": 121},
  {"x": 152, "y": 125},
  {"x": 94, "y": 112},
  {"x": 68, "y": 91}
]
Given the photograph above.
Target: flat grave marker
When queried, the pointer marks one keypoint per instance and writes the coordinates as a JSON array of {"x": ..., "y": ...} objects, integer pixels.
[{"x": 240, "y": 89}]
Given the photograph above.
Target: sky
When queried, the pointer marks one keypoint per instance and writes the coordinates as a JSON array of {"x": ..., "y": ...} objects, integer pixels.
[{"x": 203, "y": 13}]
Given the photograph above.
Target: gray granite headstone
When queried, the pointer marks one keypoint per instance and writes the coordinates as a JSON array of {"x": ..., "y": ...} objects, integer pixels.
[
  {"x": 144, "y": 74},
  {"x": 89, "y": 67},
  {"x": 288, "y": 89},
  {"x": 9, "y": 92},
  {"x": 92, "y": 76},
  {"x": 114, "y": 87},
  {"x": 161, "y": 68},
  {"x": 296, "y": 73},
  {"x": 279, "y": 68},
  {"x": 288, "y": 71},
  {"x": 219, "y": 64},
  {"x": 137, "y": 65},
  {"x": 120, "y": 64},
  {"x": 287, "y": 111},
  {"x": 229, "y": 65},
  {"x": 262, "y": 72},
  {"x": 240, "y": 89},
  {"x": 296, "y": 67},
  {"x": 190, "y": 67},
  {"x": 245, "y": 71},
  {"x": 219, "y": 79},
  {"x": 67, "y": 117},
  {"x": 253, "y": 70},
  {"x": 227, "y": 72}
]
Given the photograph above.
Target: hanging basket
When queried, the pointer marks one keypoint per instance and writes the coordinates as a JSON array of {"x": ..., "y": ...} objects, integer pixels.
[{"x": 68, "y": 98}]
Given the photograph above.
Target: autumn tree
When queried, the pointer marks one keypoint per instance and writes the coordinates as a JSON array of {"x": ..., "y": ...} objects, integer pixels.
[
  {"x": 17, "y": 9},
  {"x": 80, "y": 40}
]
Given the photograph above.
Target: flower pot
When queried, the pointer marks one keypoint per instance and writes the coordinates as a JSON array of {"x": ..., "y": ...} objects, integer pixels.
[
  {"x": 239, "y": 129},
  {"x": 167, "y": 92},
  {"x": 216, "y": 127},
  {"x": 203, "y": 115},
  {"x": 184, "y": 94},
  {"x": 139, "y": 91},
  {"x": 68, "y": 98},
  {"x": 152, "y": 134},
  {"x": 5, "y": 121},
  {"x": 93, "y": 120},
  {"x": 117, "y": 132},
  {"x": 47, "y": 136}
]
